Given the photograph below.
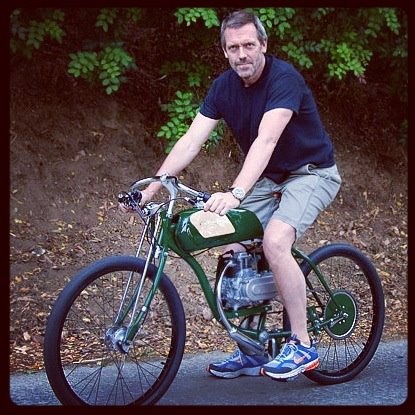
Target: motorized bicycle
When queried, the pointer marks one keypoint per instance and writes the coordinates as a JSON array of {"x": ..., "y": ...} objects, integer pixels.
[{"x": 116, "y": 333}]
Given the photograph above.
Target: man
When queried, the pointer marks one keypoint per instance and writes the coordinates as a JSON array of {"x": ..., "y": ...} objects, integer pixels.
[{"x": 273, "y": 116}]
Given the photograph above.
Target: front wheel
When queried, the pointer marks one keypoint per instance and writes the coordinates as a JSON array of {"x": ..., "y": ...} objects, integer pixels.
[
  {"x": 83, "y": 362},
  {"x": 355, "y": 312}
]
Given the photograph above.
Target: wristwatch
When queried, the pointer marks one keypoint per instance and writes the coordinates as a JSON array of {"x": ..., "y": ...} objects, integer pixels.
[{"x": 238, "y": 193}]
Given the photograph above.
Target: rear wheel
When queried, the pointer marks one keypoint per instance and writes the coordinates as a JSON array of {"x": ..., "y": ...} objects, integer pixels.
[
  {"x": 84, "y": 362},
  {"x": 356, "y": 313}
]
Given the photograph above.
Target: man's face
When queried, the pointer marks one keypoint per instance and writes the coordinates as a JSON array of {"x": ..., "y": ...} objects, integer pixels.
[{"x": 245, "y": 52}]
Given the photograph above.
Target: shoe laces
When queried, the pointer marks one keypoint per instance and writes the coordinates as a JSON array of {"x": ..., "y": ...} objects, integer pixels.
[
  {"x": 286, "y": 350},
  {"x": 236, "y": 354}
]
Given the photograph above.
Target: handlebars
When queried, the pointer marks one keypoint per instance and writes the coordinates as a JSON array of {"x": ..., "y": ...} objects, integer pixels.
[{"x": 171, "y": 183}]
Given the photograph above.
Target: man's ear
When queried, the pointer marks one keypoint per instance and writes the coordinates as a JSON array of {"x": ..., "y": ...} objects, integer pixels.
[{"x": 264, "y": 47}]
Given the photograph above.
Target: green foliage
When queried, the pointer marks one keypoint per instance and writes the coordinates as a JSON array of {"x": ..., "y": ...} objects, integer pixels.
[
  {"x": 333, "y": 46},
  {"x": 192, "y": 15},
  {"x": 132, "y": 14},
  {"x": 107, "y": 65},
  {"x": 342, "y": 40},
  {"x": 27, "y": 36},
  {"x": 181, "y": 112},
  {"x": 106, "y": 18},
  {"x": 346, "y": 56},
  {"x": 117, "y": 18},
  {"x": 184, "y": 106},
  {"x": 391, "y": 19},
  {"x": 83, "y": 64},
  {"x": 321, "y": 12},
  {"x": 338, "y": 39},
  {"x": 276, "y": 19},
  {"x": 297, "y": 54},
  {"x": 195, "y": 73}
]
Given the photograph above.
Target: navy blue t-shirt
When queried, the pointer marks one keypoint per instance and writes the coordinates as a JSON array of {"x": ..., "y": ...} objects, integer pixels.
[{"x": 304, "y": 139}]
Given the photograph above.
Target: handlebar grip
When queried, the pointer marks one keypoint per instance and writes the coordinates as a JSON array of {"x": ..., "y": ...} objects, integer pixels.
[
  {"x": 123, "y": 197},
  {"x": 205, "y": 196},
  {"x": 130, "y": 199}
]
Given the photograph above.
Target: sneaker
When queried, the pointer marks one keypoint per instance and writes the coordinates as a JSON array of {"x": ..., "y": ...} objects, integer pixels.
[
  {"x": 293, "y": 359},
  {"x": 238, "y": 364}
]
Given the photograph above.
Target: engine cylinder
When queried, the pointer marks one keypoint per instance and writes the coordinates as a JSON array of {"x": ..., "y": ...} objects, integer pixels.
[{"x": 243, "y": 285}]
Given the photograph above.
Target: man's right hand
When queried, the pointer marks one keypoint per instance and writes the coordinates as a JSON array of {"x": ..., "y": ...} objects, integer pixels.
[{"x": 145, "y": 197}]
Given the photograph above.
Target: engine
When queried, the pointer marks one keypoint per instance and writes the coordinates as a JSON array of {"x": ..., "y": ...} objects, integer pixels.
[{"x": 245, "y": 281}]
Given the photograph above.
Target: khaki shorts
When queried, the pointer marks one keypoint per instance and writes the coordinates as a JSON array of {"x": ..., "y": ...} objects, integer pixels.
[{"x": 298, "y": 200}]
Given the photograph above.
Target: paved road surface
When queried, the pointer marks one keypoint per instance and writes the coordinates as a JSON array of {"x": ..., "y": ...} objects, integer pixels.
[{"x": 384, "y": 382}]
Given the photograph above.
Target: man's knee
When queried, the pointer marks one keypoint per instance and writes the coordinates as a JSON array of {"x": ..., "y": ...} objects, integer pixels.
[{"x": 278, "y": 238}]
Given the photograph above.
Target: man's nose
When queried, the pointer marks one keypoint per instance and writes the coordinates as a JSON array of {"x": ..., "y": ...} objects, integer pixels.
[{"x": 242, "y": 54}]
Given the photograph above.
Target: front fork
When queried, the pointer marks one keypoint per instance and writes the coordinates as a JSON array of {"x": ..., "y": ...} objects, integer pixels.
[{"x": 121, "y": 334}]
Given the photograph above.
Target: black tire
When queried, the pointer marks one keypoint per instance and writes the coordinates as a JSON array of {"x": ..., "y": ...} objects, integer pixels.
[
  {"x": 83, "y": 368},
  {"x": 347, "y": 346}
]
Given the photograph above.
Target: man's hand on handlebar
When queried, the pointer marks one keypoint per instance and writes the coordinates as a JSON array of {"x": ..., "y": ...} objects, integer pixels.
[
  {"x": 219, "y": 202},
  {"x": 126, "y": 208}
]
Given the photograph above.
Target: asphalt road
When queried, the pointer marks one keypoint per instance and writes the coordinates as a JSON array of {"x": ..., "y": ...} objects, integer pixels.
[{"x": 383, "y": 383}]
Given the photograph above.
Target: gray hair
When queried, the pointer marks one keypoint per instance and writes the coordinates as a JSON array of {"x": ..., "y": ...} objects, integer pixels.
[{"x": 240, "y": 18}]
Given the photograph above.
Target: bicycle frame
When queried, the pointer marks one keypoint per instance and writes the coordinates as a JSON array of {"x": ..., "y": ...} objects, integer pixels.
[{"x": 162, "y": 229}]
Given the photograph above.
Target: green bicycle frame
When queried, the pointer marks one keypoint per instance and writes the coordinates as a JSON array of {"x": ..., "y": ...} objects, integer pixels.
[{"x": 176, "y": 234}]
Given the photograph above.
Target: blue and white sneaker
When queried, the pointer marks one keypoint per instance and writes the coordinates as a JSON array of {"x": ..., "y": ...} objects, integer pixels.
[
  {"x": 293, "y": 359},
  {"x": 238, "y": 364}
]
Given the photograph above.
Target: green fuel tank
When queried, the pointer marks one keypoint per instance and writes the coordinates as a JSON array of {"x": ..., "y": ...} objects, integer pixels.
[{"x": 197, "y": 229}]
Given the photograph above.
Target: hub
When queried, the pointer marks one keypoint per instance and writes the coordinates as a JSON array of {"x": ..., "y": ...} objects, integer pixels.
[
  {"x": 114, "y": 339},
  {"x": 342, "y": 313}
]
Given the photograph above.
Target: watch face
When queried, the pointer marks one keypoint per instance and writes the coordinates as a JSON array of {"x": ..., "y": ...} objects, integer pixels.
[{"x": 238, "y": 192}]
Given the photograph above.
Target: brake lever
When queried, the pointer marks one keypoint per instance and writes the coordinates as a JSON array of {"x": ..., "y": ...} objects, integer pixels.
[{"x": 131, "y": 199}]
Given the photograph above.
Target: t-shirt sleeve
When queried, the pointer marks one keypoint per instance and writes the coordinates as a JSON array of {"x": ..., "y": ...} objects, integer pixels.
[
  {"x": 286, "y": 91},
  {"x": 209, "y": 107}
]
